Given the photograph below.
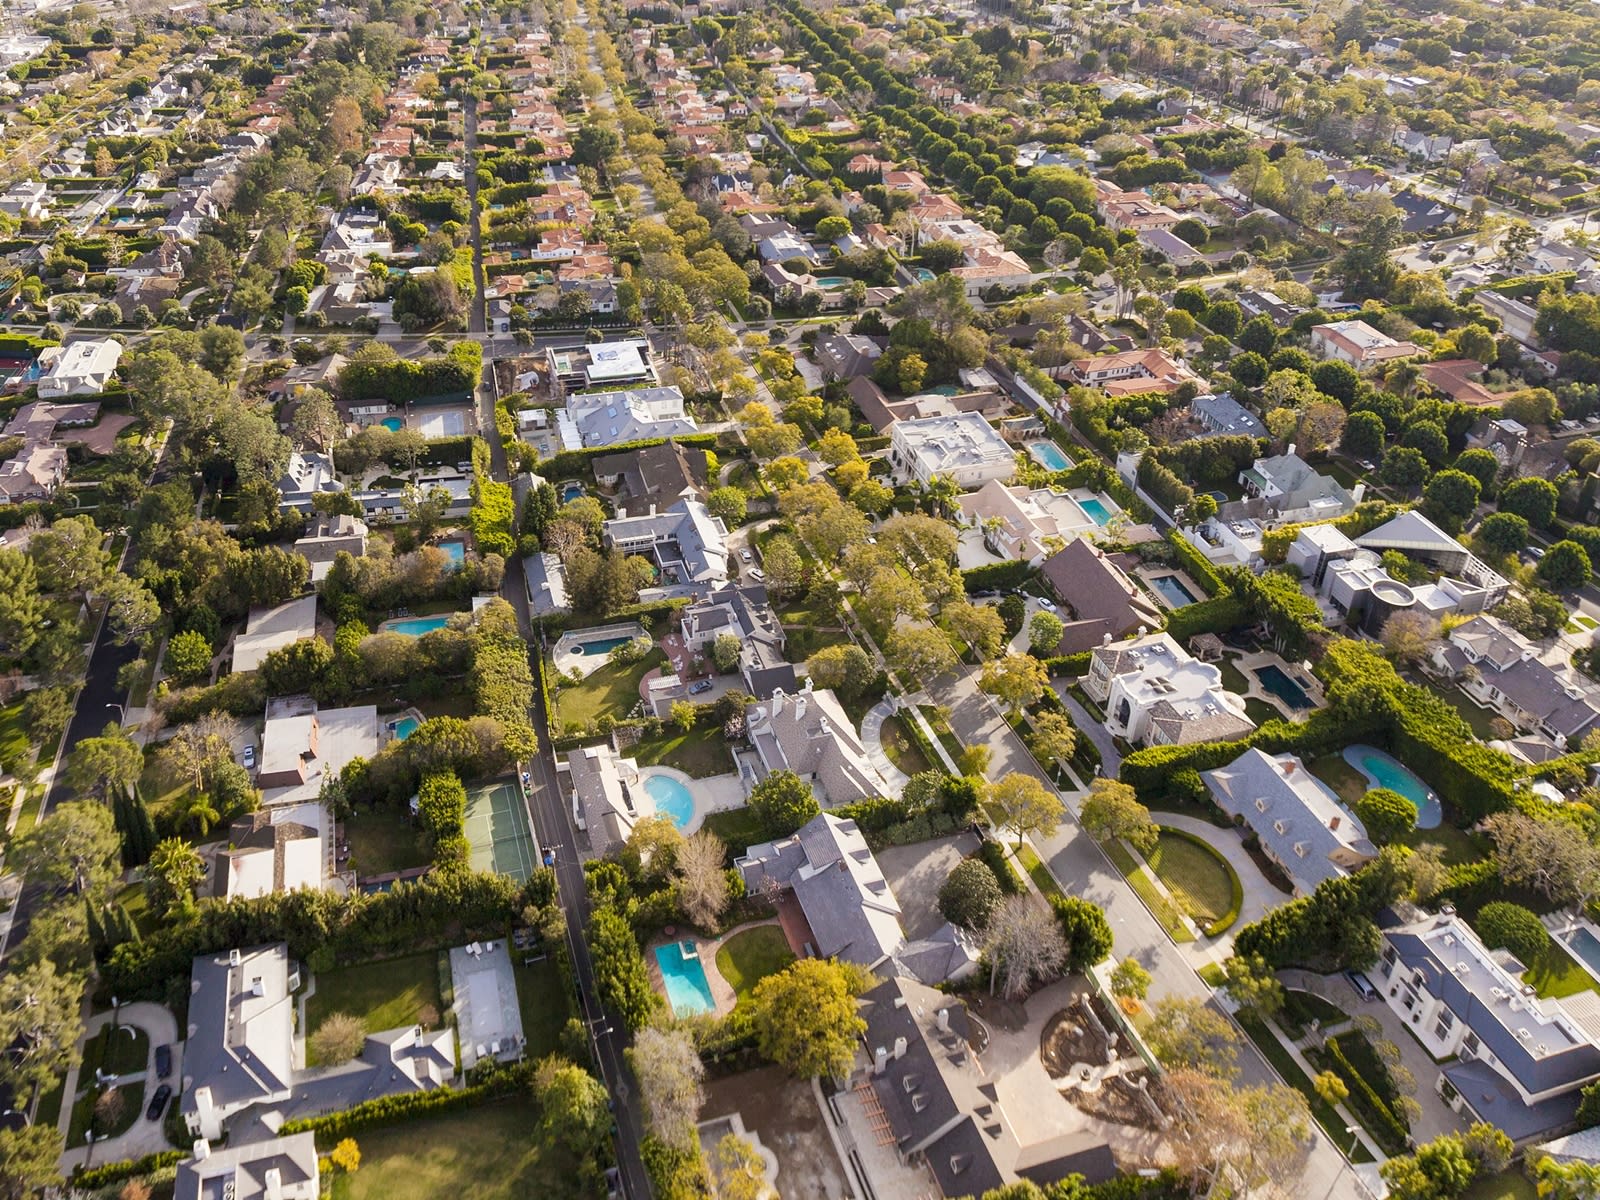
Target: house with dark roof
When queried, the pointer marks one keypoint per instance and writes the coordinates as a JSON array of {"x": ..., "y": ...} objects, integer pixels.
[
  {"x": 270, "y": 850},
  {"x": 945, "y": 1110},
  {"x": 742, "y": 611},
  {"x": 687, "y": 544},
  {"x": 1293, "y": 490},
  {"x": 810, "y": 734},
  {"x": 1507, "y": 1057},
  {"x": 653, "y": 478},
  {"x": 284, "y": 1168},
  {"x": 1102, "y": 602},
  {"x": 847, "y": 355},
  {"x": 1499, "y": 668},
  {"x": 1222, "y": 414}
]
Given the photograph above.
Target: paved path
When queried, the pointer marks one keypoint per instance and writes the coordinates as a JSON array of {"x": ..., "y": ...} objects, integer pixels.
[
  {"x": 872, "y": 739},
  {"x": 1093, "y": 729},
  {"x": 144, "y": 1136},
  {"x": 1259, "y": 893}
]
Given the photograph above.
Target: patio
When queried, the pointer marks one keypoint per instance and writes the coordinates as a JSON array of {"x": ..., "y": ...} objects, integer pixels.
[{"x": 486, "y": 1011}]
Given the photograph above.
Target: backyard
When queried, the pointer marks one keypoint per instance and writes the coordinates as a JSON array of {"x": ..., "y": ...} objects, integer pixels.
[
  {"x": 1479, "y": 718},
  {"x": 700, "y": 753},
  {"x": 613, "y": 689},
  {"x": 381, "y": 841},
  {"x": 1200, "y": 878},
  {"x": 1555, "y": 973},
  {"x": 490, "y": 1152},
  {"x": 1350, "y": 785},
  {"x": 902, "y": 751},
  {"x": 544, "y": 1003},
  {"x": 381, "y": 995},
  {"x": 750, "y": 955}
]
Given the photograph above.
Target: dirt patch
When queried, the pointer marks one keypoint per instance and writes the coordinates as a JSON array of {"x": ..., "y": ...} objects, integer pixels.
[
  {"x": 1008, "y": 1015},
  {"x": 1069, "y": 1038},
  {"x": 784, "y": 1113},
  {"x": 102, "y": 437},
  {"x": 1118, "y": 1101}
]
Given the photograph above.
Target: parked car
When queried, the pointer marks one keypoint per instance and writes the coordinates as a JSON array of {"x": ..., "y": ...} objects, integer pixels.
[
  {"x": 250, "y": 757},
  {"x": 757, "y": 574},
  {"x": 1362, "y": 985},
  {"x": 1047, "y": 605},
  {"x": 163, "y": 1061},
  {"x": 158, "y": 1102},
  {"x": 746, "y": 556},
  {"x": 698, "y": 686}
]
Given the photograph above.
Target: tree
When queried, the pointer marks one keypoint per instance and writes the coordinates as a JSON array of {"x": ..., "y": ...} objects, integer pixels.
[
  {"x": 979, "y": 625},
  {"x": 1502, "y": 924},
  {"x": 576, "y": 1110},
  {"x": 346, "y": 1156},
  {"x": 1450, "y": 498},
  {"x": 174, "y": 871},
  {"x": 1564, "y": 567},
  {"x": 1130, "y": 981},
  {"x": 1023, "y": 940},
  {"x": 1403, "y": 467},
  {"x": 1364, "y": 434},
  {"x": 919, "y": 654},
  {"x": 844, "y": 668},
  {"x": 22, "y": 608},
  {"x": 1410, "y": 637},
  {"x": 1016, "y": 680},
  {"x": 1251, "y": 985},
  {"x": 1439, "y": 1170},
  {"x": 1502, "y": 534},
  {"x": 1112, "y": 810},
  {"x": 40, "y": 1020},
  {"x": 669, "y": 1072},
  {"x": 1025, "y": 805},
  {"x": 969, "y": 895},
  {"x": 621, "y": 979},
  {"x": 1532, "y": 498},
  {"x": 1387, "y": 815},
  {"x": 101, "y": 766},
  {"x": 1044, "y": 633},
  {"x": 1552, "y": 856},
  {"x": 741, "y": 1172},
  {"x": 221, "y": 351},
  {"x": 76, "y": 846},
  {"x": 28, "y": 1158},
  {"x": 1330, "y": 1087},
  {"x": 782, "y": 563},
  {"x": 1187, "y": 1034},
  {"x": 805, "y": 1019},
  {"x": 131, "y": 609},
  {"x": 725, "y": 651},
  {"x": 702, "y": 883},
  {"x": 783, "y": 802},
  {"x": 1249, "y": 1136},
  {"x": 594, "y": 143},
  {"x": 338, "y": 1039},
  {"x": 727, "y": 503},
  {"x": 1084, "y": 926},
  {"x": 1575, "y": 1179},
  {"x": 188, "y": 656},
  {"x": 1054, "y": 737}
]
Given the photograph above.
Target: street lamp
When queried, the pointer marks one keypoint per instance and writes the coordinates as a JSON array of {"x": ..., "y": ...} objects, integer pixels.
[{"x": 122, "y": 713}]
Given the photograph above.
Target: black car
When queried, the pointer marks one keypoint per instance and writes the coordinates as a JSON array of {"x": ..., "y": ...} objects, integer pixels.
[
  {"x": 163, "y": 1061},
  {"x": 158, "y": 1102}
]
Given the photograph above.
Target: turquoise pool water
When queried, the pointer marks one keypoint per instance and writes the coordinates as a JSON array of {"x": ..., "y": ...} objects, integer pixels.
[
  {"x": 1173, "y": 591},
  {"x": 416, "y": 626},
  {"x": 688, "y": 991},
  {"x": 393, "y": 424},
  {"x": 944, "y": 389},
  {"x": 832, "y": 281},
  {"x": 405, "y": 727},
  {"x": 456, "y": 551},
  {"x": 671, "y": 798},
  {"x": 1383, "y": 770},
  {"x": 1049, "y": 456},
  {"x": 1587, "y": 947},
  {"x": 924, "y": 275},
  {"x": 1096, "y": 510},
  {"x": 602, "y": 647},
  {"x": 571, "y": 492},
  {"x": 1280, "y": 685}
]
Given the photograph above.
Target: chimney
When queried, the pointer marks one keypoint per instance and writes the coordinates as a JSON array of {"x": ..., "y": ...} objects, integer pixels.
[
  {"x": 1292, "y": 448},
  {"x": 944, "y": 1020},
  {"x": 880, "y": 1060},
  {"x": 1334, "y": 823},
  {"x": 235, "y": 958},
  {"x": 272, "y": 1184},
  {"x": 202, "y": 1150},
  {"x": 1361, "y": 490},
  {"x": 899, "y": 1047}
]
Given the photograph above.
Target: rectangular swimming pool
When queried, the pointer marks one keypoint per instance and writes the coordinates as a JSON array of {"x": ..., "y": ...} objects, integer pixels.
[
  {"x": 684, "y": 977},
  {"x": 416, "y": 626},
  {"x": 1095, "y": 510},
  {"x": 1172, "y": 591},
  {"x": 1586, "y": 946},
  {"x": 1049, "y": 456},
  {"x": 1280, "y": 685},
  {"x": 456, "y": 551},
  {"x": 601, "y": 648}
]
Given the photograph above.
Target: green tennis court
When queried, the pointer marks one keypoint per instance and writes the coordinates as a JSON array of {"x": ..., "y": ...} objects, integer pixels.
[{"x": 497, "y": 828}]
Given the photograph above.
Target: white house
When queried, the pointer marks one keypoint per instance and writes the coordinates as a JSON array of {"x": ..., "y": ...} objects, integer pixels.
[
  {"x": 963, "y": 448},
  {"x": 79, "y": 369},
  {"x": 284, "y": 1168},
  {"x": 239, "y": 1047},
  {"x": 1357, "y": 343},
  {"x": 629, "y": 415},
  {"x": 1155, "y": 693}
]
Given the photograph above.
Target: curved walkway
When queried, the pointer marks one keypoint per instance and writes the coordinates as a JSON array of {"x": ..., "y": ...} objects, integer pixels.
[
  {"x": 872, "y": 740},
  {"x": 144, "y": 1136},
  {"x": 1259, "y": 894}
]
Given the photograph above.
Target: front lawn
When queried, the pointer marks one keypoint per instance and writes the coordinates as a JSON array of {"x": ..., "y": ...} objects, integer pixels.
[
  {"x": 1510, "y": 1184},
  {"x": 749, "y": 956},
  {"x": 897, "y": 744},
  {"x": 1038, "y": 872},
  {"x": 1325, "y": 1114},
  {"x": 381, "y": 995},
  {"x": 700, "y": 753},
  {"x": 1555, "y": 973},
  {"x": 1200, "y": 878},
  {"x": 1138, "y": 877},
  {"x": 381, "y": 841},
  {"x": 613, "y": 689},
  {"x": 1479, "y": 718},
  {"x": 16, "y": 747},
  {"x": 120, "y": 1051},
  {"x": 488, "y": 1152},
  {"x": 130, "y": 1109}
]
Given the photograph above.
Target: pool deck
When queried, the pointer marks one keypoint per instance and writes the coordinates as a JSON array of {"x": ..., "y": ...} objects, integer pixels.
[
  {"x": 1429, "y": 813},
  {"x": 1147, "y": 575},
  {"x": 564, "y": 654},
  {"x": 721, "y": 990},
  {"x": 1249, "y": 664}
]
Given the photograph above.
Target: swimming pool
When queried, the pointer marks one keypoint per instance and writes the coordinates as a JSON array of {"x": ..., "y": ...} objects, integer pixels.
[
  {"x": 1383, "y": 770},
  {"x": 1172, "y": 590},
  {"x": 672, "y": 799},
  {"x": 925, "y": 276},
  {"x": 416, "y": 626},
  {"x": 832, "y": 281},
  {"x": 602, "y": 647},
  {"x": 1586, "y": 946},
  {"x": 1095, "y": 510},
  {"x": 571, "y": 492},
  {"x": 1049, "y": 456},
  {"x": 684, "y": 977},
  {"x": 455, "y": 551},
  {"x": 1278, "y": 684},
  {"x": 405, "y": 727},
  {"x": 393, "y": 424}
]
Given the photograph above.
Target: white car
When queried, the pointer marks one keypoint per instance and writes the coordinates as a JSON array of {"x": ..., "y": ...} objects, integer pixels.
[
  {"x": 746, "y": 556},
  {"x": 757, "y": 574},
  {"x": 1048, "y": 605},
  {"x": 250, "y": 757}
]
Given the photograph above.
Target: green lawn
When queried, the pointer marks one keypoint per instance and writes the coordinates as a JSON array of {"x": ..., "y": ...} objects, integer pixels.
[
  {"x": 490, "y": 1152},
  {"x": 1349, "y": 783},
  {"x": 1478, "y": 718},
  {"x": 1262, "y": 711},
  {"x": 1326, "y": 1116},
  {"x": 136, "y": 900},
  {"x": 751, "y": 955},
  {"x": 83, "y": 1114},
  {"x": 902, "y": 751},
  {"x": 117, "y": 1051},
  {"x": 1556, "y": 973},
  {"x": 16, "y": 747},
  {"x": 700, "y": 753},
  {"x": 382, "y": 840},
  {"x": 613, "y": 689},
  {"x": 1038, "y": 872},
  {"x": 802, "y": 641},
  {"x": 1232, "y": 678},
  {"x": 1139, "y": 879},
  {"x": 544, "y": 1003},
  {"x": 1510, "y": 1184},
  {"x": 1301, "y": 1008},
  {"x": 1458, "y": 845},
  {"x": 739, "y": 828},
  {"x": 1197, "y": 876},
  {"x": 383, "y": 995}
]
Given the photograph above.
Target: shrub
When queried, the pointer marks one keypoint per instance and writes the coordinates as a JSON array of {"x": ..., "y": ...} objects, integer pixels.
[
  {"x": 994, "y": 856},
  {"x": 969, "y": 895},
  {"x": 1503, "y": 925},
  {"x": 1387, "y": 815}
]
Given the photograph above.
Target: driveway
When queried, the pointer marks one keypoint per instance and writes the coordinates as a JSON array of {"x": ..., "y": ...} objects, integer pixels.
[
  {"x": 1093, "y": 729},
  {"x": 917, "y": 872},
  {"x": 144, "y": 1136},
  {"x": 1260, "y": 894}
]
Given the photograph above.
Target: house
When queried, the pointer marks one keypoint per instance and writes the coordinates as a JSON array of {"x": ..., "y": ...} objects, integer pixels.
[
  {"x": 616, "y": 418},
  {"x": 1506, "y": 1057},
  {"x": 35, "y": 472},
  {"x": 1129, "y": 372},
  {"x": 285, "y": 1168},
  {"x": 653, "y": 477},
  {"x": 1457, "y": 379},
  {"x": 742, "y": 611},
  {"x": 1170, "y": 247},
  {"x": 1411, "y": 533},
  {"x": 1155, "y": 693},
  {"x": 78, "y": 369},
  {"x": 269, "y": 851},
  {"x": 268, "y": 629},
  {"x": 304, "y": 476},
  {"x": 1518, "y": 320},
  {"x": 329, "y": 535},
  {"x": 1499, "y": 668},
  {"x": 847, "y": 355},
  {"x": 1102, "y": 603},
  {"x": 602, "y": 364},
  {"x": 945, "y": 1109},
  {"x": 1023, "y": 524},
  {"x": 687, "y": 544},
  {"x": 1222, "y": 414},
  {"x": 607, "y": 797},
  {"x": 1260, "y": 303},
  {"x": 301, "y": 746},
  {"x": 963, "y": 448},
  {"x": 546, "y": 580},
  {"x": 810, "y": 734},
  {"x": 1292, "y": 490},
  {"x": 1357, "y": 343},
  {"x": 239, "y": 1047},
  {"x": 1297, "y": 818}
]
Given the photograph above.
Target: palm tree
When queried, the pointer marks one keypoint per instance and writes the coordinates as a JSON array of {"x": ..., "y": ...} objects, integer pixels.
[{"x": 198, "y": 810}]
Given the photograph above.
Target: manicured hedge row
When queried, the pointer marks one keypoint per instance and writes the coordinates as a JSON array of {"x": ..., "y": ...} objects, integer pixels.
[
  {"x": 107, "y": 1174},
  {"x": 1069, "y": 664},
  {"x": 1005, "y": 874},
  {"x": 386, "y": 1110},
  {"x": 1217, "y": 615},
  {"x": 570, "y": 464},
  {"x": 1391, "y": 1132},
  {"x": 1197, "y": 565},
  {"x": 1006, "y": 575},
  {"x": 1236, "y": 887}
]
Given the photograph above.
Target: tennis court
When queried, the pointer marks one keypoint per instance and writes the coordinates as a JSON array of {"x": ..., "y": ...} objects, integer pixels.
[{"x": 497, "y": 828}]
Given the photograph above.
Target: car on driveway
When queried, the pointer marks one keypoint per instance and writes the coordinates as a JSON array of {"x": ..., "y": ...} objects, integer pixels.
[
  {"x": 698, "y": 686},
  {"x": 250, "y": 757},
  {"x": 1362, "y": 985},
  {"x": 746, "y": 556},
  {"x": 163, "y": 1061},
  {"x": 158, "y": 1103}
]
